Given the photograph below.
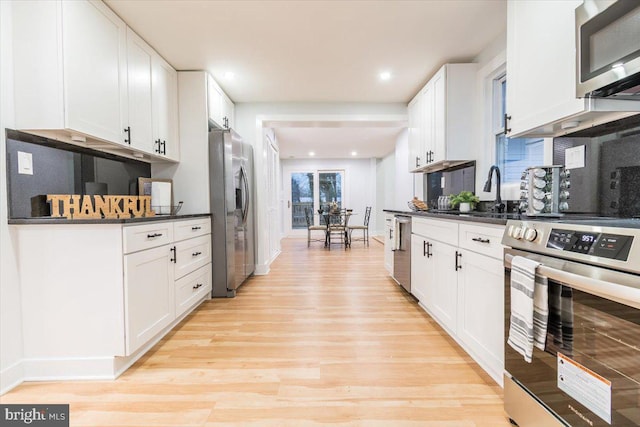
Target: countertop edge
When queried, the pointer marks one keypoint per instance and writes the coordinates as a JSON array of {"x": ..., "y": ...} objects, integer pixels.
[
  {"x": 51, "y": 221},
  {"x": 450, "y": 217}
]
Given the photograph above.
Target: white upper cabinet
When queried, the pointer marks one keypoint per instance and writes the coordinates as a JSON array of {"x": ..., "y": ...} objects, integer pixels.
[
  {"x": 85, "y": 78},
  {"x": 228, "y": 112},
  {"x": 94, "y": 49},
  {"x": 221, "y": 108},
  {"x": 416, "y": 132},
  {"x": 165, "y": 109},
  {"x": 541, "y": 72},
  {"x": 139, "y": 63},
  {"x": 70, "y": 74},
  {"x": 439, "y": 119}
]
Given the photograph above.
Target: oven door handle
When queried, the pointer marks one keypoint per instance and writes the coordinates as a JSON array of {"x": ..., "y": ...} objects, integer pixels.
[{"x": 608, "y": 289}]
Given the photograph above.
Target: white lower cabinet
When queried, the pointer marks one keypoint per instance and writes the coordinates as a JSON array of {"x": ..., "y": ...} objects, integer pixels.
[
  {"x": 388, "y": 242},
  {"x": 421, "y": 268},
  {"x": 149, "y": 295},
  {"x": 481, "y": 310},
  {"x": 157, "y": 278},
  {"x": 443, "y": 289},
  {"x": 458, "y": 278},
  {"x": 192, "y": 288},
  {"x": 110, "y": 291}
]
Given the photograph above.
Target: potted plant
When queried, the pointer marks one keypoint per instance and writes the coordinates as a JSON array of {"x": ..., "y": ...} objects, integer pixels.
[{"x": 466, "y": 200}]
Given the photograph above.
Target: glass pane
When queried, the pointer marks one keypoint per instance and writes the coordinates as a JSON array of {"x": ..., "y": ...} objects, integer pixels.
[
  {"x": 330, "y": 188},
  {"x": 514, "y": 155},
  {"x": 301, "y": 197}
]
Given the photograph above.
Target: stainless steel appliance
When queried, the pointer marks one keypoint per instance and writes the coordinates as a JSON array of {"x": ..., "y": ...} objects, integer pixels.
[
  {"x": 608, "y": 49},
  {"x": 402, "y": 251},
  {"x": 589, "y": 372},
  {"x": 231, "y": 198}
]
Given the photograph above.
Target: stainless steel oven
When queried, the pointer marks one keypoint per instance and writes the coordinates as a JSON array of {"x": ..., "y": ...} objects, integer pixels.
[
  {"x": 589, "y": 372},
  {"x": 608, "y": 49}
]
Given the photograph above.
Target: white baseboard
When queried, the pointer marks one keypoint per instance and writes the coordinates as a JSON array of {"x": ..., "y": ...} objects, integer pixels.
[
  {"x": 11, "y": 377},
  {"x": 79, "y": 368}
]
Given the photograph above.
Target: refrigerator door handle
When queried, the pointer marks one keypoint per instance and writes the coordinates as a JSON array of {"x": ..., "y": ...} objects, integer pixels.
[{"x": 245, "y": 204}]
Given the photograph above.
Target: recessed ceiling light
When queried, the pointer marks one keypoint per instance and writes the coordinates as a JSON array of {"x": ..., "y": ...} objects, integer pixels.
[
  {"x": 354, "y": 153},
  {"x": 229, "y": 75},
  {"x": 385, "y": 75},
  {"x": 311, "y": 153}
]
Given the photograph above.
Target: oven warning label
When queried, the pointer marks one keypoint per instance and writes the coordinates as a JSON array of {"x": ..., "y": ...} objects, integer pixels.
[{"x": 585, "y": 386}]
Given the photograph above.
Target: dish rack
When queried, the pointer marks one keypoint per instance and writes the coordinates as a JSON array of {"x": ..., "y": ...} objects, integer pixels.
[
  {"x": 167, "y": 210},
  {"x": 544, "y": 190}
]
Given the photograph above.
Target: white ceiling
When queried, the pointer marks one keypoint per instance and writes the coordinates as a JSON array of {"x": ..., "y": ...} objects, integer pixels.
[
  {"x": 313, "y": 51},
  {"x": 367, "y": 140}
]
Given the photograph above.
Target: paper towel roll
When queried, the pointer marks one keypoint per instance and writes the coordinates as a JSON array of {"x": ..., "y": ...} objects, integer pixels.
[{"x": 161, "y": 197}]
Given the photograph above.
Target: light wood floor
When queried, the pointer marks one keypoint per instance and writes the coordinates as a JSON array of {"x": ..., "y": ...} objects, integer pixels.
[{"x": 327, "y": 338}]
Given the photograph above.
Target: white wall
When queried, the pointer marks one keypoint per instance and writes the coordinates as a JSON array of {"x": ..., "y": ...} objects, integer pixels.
[
  {"x": 11, "y": 343},
  {"x": 248, "y": 120}
]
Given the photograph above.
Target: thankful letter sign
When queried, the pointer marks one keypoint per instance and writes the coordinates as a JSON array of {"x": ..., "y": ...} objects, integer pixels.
[{"x": 75, "y": 206}]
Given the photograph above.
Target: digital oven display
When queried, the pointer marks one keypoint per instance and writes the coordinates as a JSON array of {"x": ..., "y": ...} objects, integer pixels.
[{"x": 611, "y": 246}]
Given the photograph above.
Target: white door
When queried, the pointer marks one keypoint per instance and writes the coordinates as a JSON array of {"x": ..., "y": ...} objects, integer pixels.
[
  {"x": 312, "y": 190},
  {"x": 444, "y": 287}
]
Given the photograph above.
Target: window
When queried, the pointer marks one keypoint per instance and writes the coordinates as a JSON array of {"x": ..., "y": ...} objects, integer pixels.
[
  {"x": 513, "y": 155},
  {"x": 314, "y": 190}
]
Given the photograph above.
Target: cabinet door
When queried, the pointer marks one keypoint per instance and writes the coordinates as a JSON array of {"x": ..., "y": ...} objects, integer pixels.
[
  {"x": 95, "y": 61},
  {"x": 139, "y": 62},
  {"x": 420, "y": 268},
  {"x": 443, "y": 289},
  {"x": 228, "y": 112},
  {"x": 480, "y": 310},
  {"x": 438, "y": 119},
  {"x": 215, "y": 99},
  {"x": 165, "y": 107},
  {"x": 388, "y": 245},
  {"x": 416, "y": 133},
  {"x": 541, "y": 65},
  {"x": 192, "y": 288},
  {"x": 192, "y": 254},
  {"x": 149, "y": 295},
  {"x": 428, "y": 101}
]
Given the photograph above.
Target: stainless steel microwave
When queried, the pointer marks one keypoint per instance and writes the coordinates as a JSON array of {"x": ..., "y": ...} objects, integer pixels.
[{"x": 608, "y": 49}]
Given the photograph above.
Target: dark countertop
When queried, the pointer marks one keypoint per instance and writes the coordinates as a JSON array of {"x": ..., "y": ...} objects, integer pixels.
[
  {"x": 481, "y": 217},
  {"x": 50, "y": 220}
]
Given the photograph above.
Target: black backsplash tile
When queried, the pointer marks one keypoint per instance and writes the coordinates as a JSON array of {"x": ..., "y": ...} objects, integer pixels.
[
  {"x": 60, "y": 168},
  {"x": 609, "y": 184}
]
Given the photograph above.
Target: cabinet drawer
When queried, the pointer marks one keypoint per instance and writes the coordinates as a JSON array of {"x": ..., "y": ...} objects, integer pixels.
[
  {"x": 191, "y": 228},
  {"x": 191, "y": 288},
  {"x": 483, "y": 239},
  {"x": 444, "y": 231},
  {"x": 146, "y": 236},
  {"x": 192, "y": 254}
]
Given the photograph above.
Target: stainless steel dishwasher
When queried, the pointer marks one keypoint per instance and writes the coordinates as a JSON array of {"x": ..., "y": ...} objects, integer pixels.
[{"x": 402, "y": 251}]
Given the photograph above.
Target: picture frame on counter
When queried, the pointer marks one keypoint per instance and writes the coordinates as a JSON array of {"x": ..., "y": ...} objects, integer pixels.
[{"x": 161, "y": 193}]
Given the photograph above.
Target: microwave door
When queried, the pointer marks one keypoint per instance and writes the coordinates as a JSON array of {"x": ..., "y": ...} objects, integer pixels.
[{"x": 608, "y": 49}]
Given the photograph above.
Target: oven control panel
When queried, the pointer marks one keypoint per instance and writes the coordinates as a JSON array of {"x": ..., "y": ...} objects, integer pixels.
[{"x": 612, "y": 246}]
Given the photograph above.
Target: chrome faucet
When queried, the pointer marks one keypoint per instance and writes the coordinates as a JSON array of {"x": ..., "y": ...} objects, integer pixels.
[{"x": 498, "y": 206}]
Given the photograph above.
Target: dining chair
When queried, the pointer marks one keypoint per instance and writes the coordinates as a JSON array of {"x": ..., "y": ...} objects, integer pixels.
[
  {"x": 338, "y": 229},
  {"x": 364, "y": 227},
  {"x": 311, "y": 227}
]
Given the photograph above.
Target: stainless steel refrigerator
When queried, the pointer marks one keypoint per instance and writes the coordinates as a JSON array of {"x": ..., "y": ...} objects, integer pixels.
[{"x": 232, "y": 216}]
